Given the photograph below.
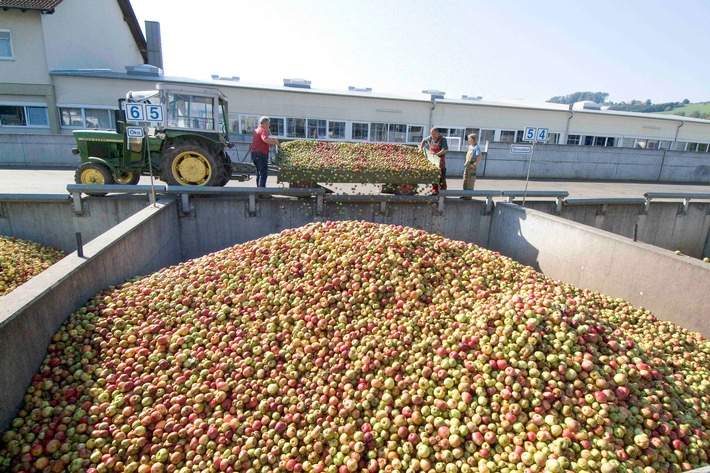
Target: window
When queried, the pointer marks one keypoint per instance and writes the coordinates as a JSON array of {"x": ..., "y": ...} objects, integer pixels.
[
  {"x": 454, "y": 137},
  {"x": 190, "y": 111},
  {"x": 627, "y": 142},
  {"x": 361, "y": 131},
  {"x": 336, "y": 130},
  {"x": 475, "y": 131},
  {"x": 98, "y": 118},
  {"x": 486, "y": 136},
  {"x": 573, "y": 139},
  {"x": 519, "y": 136},
  {"x": 316, "y": 129},
  {"x": 599, "y": 141},
  {"x": 415, "y": 134},
  {"x": 5, "y": 45},
  {"x": 697, "y": 147},
  {"x": 554, "y": 138},
  {"x": 277, "y": 127},
  {"x": 71, "y": 117},
  {"x": 248, "y": 123},
  {"x": 378, "y": 132},
  {"x": 397, "y": 133},
  {"x": 295, "y": 127},
  {"x": 23, "y": 115},
  {"x": 79, "y": 117},
  {"x": 507, "y": 136}
]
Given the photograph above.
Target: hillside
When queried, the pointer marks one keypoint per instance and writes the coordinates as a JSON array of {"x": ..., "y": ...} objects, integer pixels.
[{"x": 698, "y": 110}]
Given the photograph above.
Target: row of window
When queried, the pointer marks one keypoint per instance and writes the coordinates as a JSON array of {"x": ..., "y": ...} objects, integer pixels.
[
  {"x": 309, "y": 128},
  {"x": 319, "y": 129},
  {"x": 70, "y": 117}
]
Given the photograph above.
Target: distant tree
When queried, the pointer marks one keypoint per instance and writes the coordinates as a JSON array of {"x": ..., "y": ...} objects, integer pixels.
[
  {"x": 686, "y": 102},
  {"x": 598, "y": 97},
  {"x": 648, "y": 101}
]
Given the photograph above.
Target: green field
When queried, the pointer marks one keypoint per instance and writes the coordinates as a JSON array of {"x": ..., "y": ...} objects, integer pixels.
[{"x": 701, "y": 107}]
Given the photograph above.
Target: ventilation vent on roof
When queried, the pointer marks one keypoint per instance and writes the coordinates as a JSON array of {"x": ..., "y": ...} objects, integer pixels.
[
  {"x": 585, "y": 105},
  {"x": 435, "y": 94},
  {"x": 297, "y": 83},
  {"x": 218, "y": 77},
  {"x": 144, "y": 70},
  {"x": 466, "y": 97},
  {"x": 359, "y": 89}
]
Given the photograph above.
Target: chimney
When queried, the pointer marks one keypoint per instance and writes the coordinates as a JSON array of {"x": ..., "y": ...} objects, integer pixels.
[{"x": 155, "y": 47}]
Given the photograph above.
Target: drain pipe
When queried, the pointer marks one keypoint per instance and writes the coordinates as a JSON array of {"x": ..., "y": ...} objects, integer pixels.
[
  {"x": 431, "y": 114},
  {"x": 663, "y": 158},
  {"x": 571, "y": 114},
  {"x": 675, "y": 139}
]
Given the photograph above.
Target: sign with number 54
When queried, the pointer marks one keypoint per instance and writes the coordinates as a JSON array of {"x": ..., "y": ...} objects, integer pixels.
[{"x": 536, "y": 134}]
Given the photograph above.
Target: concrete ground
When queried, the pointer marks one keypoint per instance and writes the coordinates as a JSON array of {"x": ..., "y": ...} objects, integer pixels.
[{"x": 24, "y": 181}]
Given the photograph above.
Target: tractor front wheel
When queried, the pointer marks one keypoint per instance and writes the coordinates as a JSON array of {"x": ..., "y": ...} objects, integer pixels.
[
  {"x": 128, "y": 178},
  {"x": 94, "y": 174},
  {"x": 191, "y": 164}
]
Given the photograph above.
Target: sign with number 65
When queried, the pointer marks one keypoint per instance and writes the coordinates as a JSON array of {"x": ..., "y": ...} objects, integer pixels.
[{"x": 138, "y": 112}]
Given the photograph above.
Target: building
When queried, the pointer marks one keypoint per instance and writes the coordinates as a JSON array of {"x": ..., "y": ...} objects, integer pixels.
[{"x": 52, "y": 83}]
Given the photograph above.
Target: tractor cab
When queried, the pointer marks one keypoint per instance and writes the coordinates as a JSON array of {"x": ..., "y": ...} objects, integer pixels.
[{"x": 199, "y": 109}]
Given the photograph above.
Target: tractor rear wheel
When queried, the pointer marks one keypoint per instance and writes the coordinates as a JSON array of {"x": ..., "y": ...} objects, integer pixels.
[
  {"x": 128, "y": 178},
  {"x": 94, "y": 174},
  {"x": 227, "y": 172},
  {"x": 191, "y": 164}
]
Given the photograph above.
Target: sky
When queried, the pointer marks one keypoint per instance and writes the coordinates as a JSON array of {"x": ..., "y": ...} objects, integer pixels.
[{"x": 496, "y": 49}]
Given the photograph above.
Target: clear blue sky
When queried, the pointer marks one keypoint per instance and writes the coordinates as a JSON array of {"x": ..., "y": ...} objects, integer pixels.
[{"x": 498, "y": 49}]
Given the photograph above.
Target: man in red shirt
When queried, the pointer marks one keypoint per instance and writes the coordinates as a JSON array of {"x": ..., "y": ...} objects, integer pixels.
[{"x": 260, "y": 142}]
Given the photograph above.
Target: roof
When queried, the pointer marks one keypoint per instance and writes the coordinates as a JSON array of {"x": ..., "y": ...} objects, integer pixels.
[
  {"x": 44, "y": 6},
  {"x": 129, "y": 17}
]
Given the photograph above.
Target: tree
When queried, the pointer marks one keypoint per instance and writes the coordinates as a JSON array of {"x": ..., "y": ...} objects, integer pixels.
[{"x": 598, "y": 97}]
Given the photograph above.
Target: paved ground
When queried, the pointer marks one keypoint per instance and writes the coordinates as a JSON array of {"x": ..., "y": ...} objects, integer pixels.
[{"x": 15, "y": 181}]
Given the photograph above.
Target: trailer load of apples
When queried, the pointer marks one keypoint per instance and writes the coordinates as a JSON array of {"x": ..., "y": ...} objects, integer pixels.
[
  {"x": 350, "y": 346},
  {"x": 21, "y": 260},
  {"x": 342, "y": 162}
]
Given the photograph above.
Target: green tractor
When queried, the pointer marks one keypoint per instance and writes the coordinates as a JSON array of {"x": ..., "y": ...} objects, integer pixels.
[{"x": 176, "y": 133}]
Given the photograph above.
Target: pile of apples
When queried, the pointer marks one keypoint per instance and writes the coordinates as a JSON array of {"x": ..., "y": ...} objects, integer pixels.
[
  {"x": 351, "y": 346},
  {"x": 21, "y": 260},
  {"x": 334, "y": 157}
]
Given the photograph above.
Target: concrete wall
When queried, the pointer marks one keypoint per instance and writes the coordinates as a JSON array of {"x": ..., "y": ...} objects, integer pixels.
[
  {"x": 461, "y": 220},
  {"x": 29, "y": 316},
  {"x": 665, "y": 225},
  {"x": 53, "y": 222},
  {"x": 27, "y": 151},
  {"x": 593, "y": 163},
  {"x": 674, "y": 288}
]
